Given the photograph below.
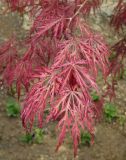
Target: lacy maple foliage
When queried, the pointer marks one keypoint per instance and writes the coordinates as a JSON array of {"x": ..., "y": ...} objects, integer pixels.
[
  {"x": 118, "y": 21},
  {"x": 59, "y": 67},
  {"x": 119, "y": 17}
]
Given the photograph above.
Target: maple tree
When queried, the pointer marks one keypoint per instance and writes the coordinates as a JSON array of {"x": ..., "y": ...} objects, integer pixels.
[{"x": 60, "y": 65}]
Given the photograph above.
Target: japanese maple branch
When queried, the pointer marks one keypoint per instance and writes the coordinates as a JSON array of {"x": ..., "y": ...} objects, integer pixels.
[{"x": 77, "y": 12}]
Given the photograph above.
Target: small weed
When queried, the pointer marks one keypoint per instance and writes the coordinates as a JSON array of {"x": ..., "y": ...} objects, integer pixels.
[
  {"x": 110, "y": 112},
  {"x": 95, "y": 97},
  {"x": 28, "y": 138},
  {"x": 36, "y": 137},
  {"x": 12, "y": 108},
  {"x": 122, "y": 120},
  {"x": 85, "y": 138},
  {"x": 39, "y": 135}
]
